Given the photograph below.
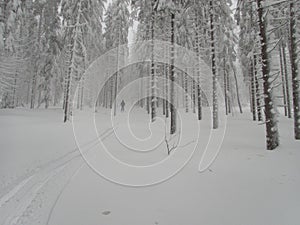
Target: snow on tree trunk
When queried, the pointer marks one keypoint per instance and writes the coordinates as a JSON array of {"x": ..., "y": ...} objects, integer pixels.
[
  {"x": 153, "y": 71},
  {"x": 287, "y": 85},
  {"x": 283, "y": 81},
  {"x": 237, "y": 88},
  {"x": 194, "y": 93},
  {"x": 272, "y": 133},
  {"x": 33, "y": 91},
  {"x": 197, "y": 48},
  {"x": 214, "y": 70},
  {"x": 116, "y": 84},
  {"x": 295, "y": 75},
  {"x": 229, "y": 95},
  {"x": 186, "y": 91},
  {"x": 257, "y": 88},
  {"x": 172, "y": 77},
  {"x": 253, "y": 93},
  {"x": 71, "y": 69},
  {"x": 167, "y": 69},
  {"x": 225, "y": 85}
]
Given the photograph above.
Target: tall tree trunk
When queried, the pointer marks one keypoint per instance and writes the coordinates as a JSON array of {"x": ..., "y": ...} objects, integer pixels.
[
  {"x": 237, "y": 88},
  {"x": 167, "y": 69},
  {"x": 82, "y": 95},
  {"x": 117, "y": 75},
  {"x": 15, "y": 90},
  {"x": 225, "y": 85},
  {"x": 229, "y": 95},
  {"x": 67, "y": 109},
  {"x": 272, "y": 133},
  {"x": 194, "y": 93},
  {"x": 197, "y": 44},
  {"x": 111, "y": 81},
  {"x": 142, "y": 100},
  {"x": 116, "y": 91},
  {"x": 33, "y": 90},
  {"x": 214, "y": 69},
  {"x": 287, "y": 85},
  {"x": 199, "y": 97},
  {"x": 253, "y": 95},
  {"x": 172, "y": 77},
  {"x": 283, "y": 80},
  {"x": 68, "y": 91},
  {"x": 148, "y": 91},
  {"x": 295, "y": 75},
  {"x": 257, "y": 88},
  {"x": 153, "y": 72},
  {"x": 186, "y": 92}
]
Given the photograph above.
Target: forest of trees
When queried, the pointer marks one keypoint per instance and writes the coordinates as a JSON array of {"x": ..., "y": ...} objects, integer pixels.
[{"x": 47, "y": 45}]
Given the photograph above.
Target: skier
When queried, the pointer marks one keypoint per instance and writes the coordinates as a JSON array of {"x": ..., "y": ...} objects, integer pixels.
[{"x": 122, "y": 106}]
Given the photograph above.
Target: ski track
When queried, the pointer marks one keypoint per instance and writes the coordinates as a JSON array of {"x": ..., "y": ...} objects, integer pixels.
[
  {"x": 25, "y": 204},
  {"x": 14, "y": 191},
  {"x": 34, "y": 182}
]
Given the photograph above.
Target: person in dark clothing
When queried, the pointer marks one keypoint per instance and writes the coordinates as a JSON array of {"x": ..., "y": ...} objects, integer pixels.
[{"x": 122, "y": 106}]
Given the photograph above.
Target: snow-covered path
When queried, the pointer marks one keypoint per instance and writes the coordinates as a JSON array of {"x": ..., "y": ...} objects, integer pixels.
[
  {"x": 245, "y": 185},
  {"x": 30, "y": 197}
]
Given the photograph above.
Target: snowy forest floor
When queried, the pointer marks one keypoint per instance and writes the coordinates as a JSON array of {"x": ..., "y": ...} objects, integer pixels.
[{"x": 44, "y": 179}]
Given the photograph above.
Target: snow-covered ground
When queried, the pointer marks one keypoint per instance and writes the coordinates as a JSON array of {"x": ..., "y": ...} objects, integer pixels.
[{"x": 45, "y": 180}]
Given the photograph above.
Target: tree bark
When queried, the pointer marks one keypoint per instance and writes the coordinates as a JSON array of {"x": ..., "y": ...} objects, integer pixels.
[
  {"x": 294, "y": 67},
  {"x": 257, "y": 88},
  {"x": 253, "y": 97},
  {"x": 283, "y": 81},
  {"x": 213, "y": 64},
  {"x": 287, "y": 85},
  {"x": 272, "y": 133},
  {"x": 237, "y": 88},
  {"x": 172, "y": 77},
  {"x": 153, "y": 72},
  {"x": 225, "y": 85}
]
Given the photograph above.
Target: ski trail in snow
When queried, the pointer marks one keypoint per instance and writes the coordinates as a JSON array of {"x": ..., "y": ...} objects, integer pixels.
[
  {"x": 41, "y": 177},
  {"x": 14, "y": 191},
  {"x": 29, "y": 197},
  {"x": 73, "y": 154},
  {"x": 61, "y": 192}
]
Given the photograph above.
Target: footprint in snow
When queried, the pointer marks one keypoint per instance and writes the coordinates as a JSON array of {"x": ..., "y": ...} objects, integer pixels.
[{"x": 105, "y": 213}]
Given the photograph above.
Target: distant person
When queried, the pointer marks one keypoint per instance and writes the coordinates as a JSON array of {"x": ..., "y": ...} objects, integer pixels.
[{"x": 122, "y": 106}]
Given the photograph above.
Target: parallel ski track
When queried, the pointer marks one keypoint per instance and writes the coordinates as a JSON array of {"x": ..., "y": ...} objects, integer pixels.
[{"x": 48, "y": 172}]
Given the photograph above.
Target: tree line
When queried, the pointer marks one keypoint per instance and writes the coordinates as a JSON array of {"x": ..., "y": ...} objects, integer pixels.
[{"x": 46, "y": 46}]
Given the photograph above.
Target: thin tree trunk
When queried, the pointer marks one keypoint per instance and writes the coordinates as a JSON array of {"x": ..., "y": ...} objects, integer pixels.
[
  {"x": 287, "y": 85},
  {"x": 199, "y": 100},
  {"x": 194, "y": 92},
  {"x": 82, "y": 95},
  {"x": 116, "y": 92},
  {"x": 257, "y": 88},
  {"x": 213, "y": 64},
  {"x": 153, "y": 72},
  {"x": 283, "y": 81},
  {"x": 117, "y": 77},
  {"x": 172, "y": 77},
  {"x": 33, "y": 91},
  {"x": 111, "y": 92},
  {"x": 237, "y": 89},
  {"x": 225, "y": 85},
  {"x": 252, "y": 90},
  {"x": 15, "y": 91},
  {"x": 229, "y": 95},
  {"x": 186, "y": 92},
  {"x": 167, "y": 89}
]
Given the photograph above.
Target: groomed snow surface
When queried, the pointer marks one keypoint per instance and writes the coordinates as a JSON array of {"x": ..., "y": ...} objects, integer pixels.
[{"x": 45, "y": 180}]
